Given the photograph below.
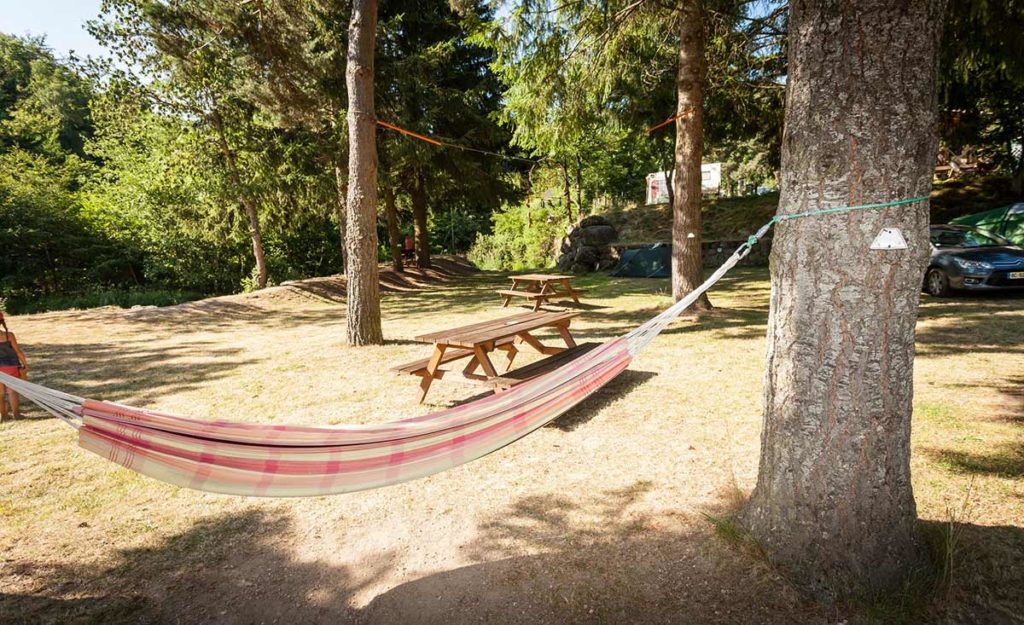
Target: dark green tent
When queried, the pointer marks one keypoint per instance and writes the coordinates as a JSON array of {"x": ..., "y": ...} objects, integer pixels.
[
  {"x": 645, "y": 262},
  {"x": 1007, "y": 222}
]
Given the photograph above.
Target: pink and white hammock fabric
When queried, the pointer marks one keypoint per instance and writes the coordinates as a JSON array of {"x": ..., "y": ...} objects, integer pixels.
[{"x": 297, "y": 461}]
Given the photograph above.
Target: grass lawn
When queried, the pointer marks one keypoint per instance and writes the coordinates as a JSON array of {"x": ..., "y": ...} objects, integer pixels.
[{"x": 597, "y": 518}]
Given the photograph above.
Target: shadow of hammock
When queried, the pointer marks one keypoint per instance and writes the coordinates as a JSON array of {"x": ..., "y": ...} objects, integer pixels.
[{"x": 586, "y": 410}]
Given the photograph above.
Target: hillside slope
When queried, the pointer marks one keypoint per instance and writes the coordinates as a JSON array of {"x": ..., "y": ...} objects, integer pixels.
[{"x": 736, "y": 218}]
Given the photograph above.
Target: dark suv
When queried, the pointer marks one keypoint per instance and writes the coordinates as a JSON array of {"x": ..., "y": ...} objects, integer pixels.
[{"x": 972, "y": 259}]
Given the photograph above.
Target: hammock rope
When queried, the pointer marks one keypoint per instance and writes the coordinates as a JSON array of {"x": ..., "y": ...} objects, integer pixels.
[{"x": 291, "y": 461}]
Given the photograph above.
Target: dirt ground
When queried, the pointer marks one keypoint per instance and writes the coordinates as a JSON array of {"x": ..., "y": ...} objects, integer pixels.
[{"x": 596, "y": 518}]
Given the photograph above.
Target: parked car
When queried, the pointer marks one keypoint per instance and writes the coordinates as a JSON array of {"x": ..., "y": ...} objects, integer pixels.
[{"x": 972, "y": 259}]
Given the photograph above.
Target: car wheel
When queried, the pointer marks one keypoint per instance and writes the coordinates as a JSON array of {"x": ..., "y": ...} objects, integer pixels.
[{"x": 936, "y": 282}]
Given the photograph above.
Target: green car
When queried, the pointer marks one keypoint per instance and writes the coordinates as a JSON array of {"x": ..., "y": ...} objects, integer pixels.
[{"x": 1007, "y": 222}]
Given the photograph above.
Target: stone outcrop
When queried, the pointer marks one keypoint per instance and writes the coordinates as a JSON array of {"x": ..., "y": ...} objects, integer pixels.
[{"x": 586, "y": 246}]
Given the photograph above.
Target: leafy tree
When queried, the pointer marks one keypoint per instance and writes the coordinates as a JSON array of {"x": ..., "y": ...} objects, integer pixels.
[
  {"x": 48, "y": 245},
  {"x": 192, "y": 75},
  {"x": 435, "y": 80},
  {"x": 982, "y": 82},
  {"x": 44, "y": 105},
  {"x": 585, "y": 78}
]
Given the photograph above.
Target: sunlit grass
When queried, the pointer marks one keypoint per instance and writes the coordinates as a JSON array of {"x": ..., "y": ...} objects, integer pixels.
[{"x": 684, "y": 423}]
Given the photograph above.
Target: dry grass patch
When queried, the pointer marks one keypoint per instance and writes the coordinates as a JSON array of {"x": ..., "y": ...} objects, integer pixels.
[{"x": 595, "y": 519}]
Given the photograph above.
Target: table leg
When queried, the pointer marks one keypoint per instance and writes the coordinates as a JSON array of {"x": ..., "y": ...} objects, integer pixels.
[
  {"x": 570, "y": 290},
  {"x": 485, "y": 362},
  {"x": 428, "y": 377},
  {"x": 471, "y": 366},
  {"x": 508, "y": 298},
  {"x": 544, "y": 290},
  {"x": 511, "y": 351},
  {"x": 532, "y": 341},
  {"x": 566, "y": 336}
]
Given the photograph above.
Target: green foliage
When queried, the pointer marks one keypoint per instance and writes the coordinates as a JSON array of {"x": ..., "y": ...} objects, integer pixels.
[
  {"x": 433, "y": 79},
  {"x": 456, "y": 230},
  {"x": 586, "y": 78},
  {"x": 524, "y": 236},
  {"x": 982, "y": 82}
]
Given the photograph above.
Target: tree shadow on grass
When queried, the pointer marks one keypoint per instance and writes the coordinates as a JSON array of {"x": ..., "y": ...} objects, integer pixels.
[
  {"x": 966, "y": 324},
  {"x": 139, "y": 369},
  {"x": 986, "y": 574},
  {"x": 549, "y": 558},
  {"x": 235, "y": 568},
  {"x": 1007, "y": 460},
  {"x": 600, "y": 558},
  {"x": 595, "y": 558},
  {"x": 733, "y": 323}
]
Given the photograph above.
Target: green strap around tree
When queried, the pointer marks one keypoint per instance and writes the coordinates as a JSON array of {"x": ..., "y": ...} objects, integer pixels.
[{"x": 754, "y": 238}]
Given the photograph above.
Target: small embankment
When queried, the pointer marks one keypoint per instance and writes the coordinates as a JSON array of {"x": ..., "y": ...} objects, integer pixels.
[
  {"x": 325, "y": 289},
  {"x": 333, "y": 288}
]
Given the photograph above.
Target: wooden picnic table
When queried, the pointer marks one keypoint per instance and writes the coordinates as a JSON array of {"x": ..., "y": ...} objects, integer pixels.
[
  {"x": 540, "y": 288},
  {"x": 479, "y": 341}
]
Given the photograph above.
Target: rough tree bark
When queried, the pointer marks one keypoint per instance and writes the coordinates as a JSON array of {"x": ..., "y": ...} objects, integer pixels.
[
  {"x": 341, "y": 191},
  {"x": 391, "y": 214},
  {"x": 363, "y": 317},
  {"x": 833, "y": 505},
  {"x": 687, "y": 265},
  {"x": 421, "y": 230},
  {"x": 248, "y": 204}
]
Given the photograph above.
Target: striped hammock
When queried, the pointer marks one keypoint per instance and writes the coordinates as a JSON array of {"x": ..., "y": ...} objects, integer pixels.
[{"x": 295, "y": 461}]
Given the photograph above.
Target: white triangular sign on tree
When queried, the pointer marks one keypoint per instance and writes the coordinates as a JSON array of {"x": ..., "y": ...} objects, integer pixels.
[{"x": 889, "y": 239}]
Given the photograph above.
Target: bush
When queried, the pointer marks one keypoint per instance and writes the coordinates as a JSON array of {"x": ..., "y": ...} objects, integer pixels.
[{"x": 525, "y": 236}]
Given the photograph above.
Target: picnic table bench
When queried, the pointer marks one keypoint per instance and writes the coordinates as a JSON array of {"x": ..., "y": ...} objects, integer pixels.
[
  {"x": 540, "y": 288},
  {"x": 478, "y": 341}
]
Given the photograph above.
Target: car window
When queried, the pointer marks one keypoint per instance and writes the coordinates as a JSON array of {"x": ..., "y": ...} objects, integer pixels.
[{"x": 966, "y": 237}]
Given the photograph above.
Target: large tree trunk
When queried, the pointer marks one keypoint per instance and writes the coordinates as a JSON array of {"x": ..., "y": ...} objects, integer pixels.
[
  {"x": 361, "y": 232},
  {"x": 248, "y": 204},
  {"x": 419, "y": 217},
  {"x": 833, "y": 505},
  {"x": 391, "y": 214},
  {"x": 687, "y": 265}
]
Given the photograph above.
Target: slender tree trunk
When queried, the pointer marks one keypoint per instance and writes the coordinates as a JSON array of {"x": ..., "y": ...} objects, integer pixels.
[
  {"x": 833, "y": 505},
  {"x": 567, "y": 191},
  {"x": 248, "y": 205},
  {"x": 391, "y": 214},
  {"x": 579, "y": 186},
  {"x": 363, "y": 317},
  {"x": 341, "y": 191},
  {"x": 687, "y": 265},
  {"x": 419, "y": 217}
]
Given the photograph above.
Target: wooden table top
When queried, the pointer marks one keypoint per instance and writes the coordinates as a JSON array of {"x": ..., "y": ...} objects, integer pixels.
[
  {"x": 496, "y": 329},
  {"x": 541, "y": 277}
]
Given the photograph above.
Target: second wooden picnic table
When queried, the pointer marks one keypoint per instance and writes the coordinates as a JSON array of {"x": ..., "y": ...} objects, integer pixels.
[
  {"x": 479, "y": 341},
  {"x": 540, "y": 288}
]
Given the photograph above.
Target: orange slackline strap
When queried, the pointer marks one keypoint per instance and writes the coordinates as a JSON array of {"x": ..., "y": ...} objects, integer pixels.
[
  {"x": 668, "y": 121},
  {"x": 410, "y": 133},
  {"x": 445, "y": 144}
]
